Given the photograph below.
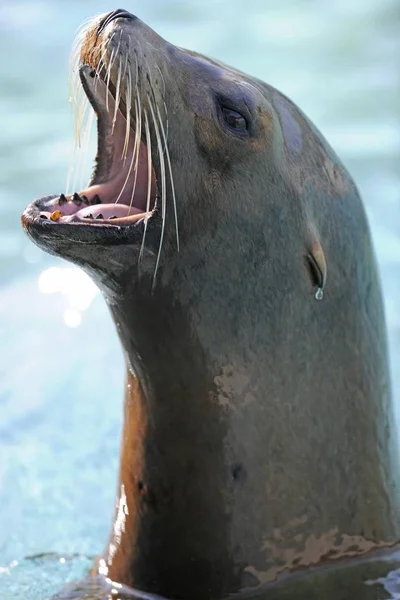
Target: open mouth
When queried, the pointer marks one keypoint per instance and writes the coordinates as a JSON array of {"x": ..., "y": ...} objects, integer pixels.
[{"x": 123, "y": 189}]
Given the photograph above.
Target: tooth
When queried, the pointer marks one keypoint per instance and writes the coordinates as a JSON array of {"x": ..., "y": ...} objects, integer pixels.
[
  {"x": 89, "y": 216},
  {"x": 62, "y": 199},
  {"x": 95, "y": 200},
  {"x": 99, "y": 216},
  {"x": 77, "y": 199},
  {"x": 56, "y": 215}
]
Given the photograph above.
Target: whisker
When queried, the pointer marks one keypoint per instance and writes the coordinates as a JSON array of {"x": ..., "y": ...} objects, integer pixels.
[
  {"x": 163, "y": 187},
  {"x": 84, "y": 25},
  {"x": 137, "y": 147},
  {"x": 132, "y": 158},
  {"x": 79, "y": 36},
  {"x": 170, "y": 177},
  {"x": 75, "y": 162},
  {"x": 163, "y": 80},
  {"x": 74, "y": 88},
  {"x": 166, "y": 151},
  {"x": 166, "y": 117},
  {"x": 114, "y": 56},
  {"x": 128, "y": 99},
  {"x": 156, "y": 104},
  {"x": 100, "y": 64},
  {"x": 138, "y": 117},
  {"x": 148, "y": 144},
  {"x": 137, "y": 72},
  {"x": 79, "y": 150},
  {"x": 70, "y": 172},
  {"x": 76, "y": 47},
  {"x": 109, "y": 76},
  {"x": 117, "y": 94},
  {"x": 80, "y": 115}
]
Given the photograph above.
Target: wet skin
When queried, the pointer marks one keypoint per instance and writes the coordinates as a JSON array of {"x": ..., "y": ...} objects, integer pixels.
[{"x": 258, "y": 448}]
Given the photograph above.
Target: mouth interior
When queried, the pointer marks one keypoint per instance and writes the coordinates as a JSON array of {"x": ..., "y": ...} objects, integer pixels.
[{"x": 123, "y": 188}]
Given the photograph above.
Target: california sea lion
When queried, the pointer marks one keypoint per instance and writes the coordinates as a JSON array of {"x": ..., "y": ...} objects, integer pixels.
[{"x": 258, "y": 448}]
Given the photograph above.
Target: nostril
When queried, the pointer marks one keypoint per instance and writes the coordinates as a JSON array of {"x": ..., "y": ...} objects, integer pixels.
[{"x": 119, "y": 13}]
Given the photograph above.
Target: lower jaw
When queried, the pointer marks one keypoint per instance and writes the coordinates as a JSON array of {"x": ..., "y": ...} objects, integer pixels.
[
  {"x": 80, "y": 209},
  {"x": 71, "y": 237}
]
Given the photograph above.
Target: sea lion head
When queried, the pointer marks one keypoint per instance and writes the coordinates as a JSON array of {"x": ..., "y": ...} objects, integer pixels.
[
  {"x": 208, "y": 135},
  {"x": 257, "y": 437}
]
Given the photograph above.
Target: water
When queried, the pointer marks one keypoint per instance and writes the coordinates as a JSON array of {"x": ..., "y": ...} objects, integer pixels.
[{"x": 60, "y": 364}]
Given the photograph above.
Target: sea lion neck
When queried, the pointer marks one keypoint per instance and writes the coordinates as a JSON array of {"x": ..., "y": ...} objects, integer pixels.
[
  {"x": 159, "y": 336},
  {"x": 172, "y": 469}
]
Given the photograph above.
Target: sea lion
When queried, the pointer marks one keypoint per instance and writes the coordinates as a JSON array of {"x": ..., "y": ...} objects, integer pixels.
[{"x": 231, "y": 245}]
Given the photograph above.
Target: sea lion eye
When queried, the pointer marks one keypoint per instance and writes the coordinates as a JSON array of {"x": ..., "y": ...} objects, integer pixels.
[{"x": 234, "y": 120}]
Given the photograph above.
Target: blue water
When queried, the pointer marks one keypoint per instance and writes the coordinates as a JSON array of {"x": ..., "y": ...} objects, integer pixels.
[{"x": 60, "y": 364}]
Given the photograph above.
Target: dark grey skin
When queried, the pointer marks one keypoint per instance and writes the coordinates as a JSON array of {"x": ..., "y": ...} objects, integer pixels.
[{"x": 259, "y": 451}]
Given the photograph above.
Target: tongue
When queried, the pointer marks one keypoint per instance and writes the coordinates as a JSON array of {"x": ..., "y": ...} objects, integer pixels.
[{"x": 108, "y": 210}]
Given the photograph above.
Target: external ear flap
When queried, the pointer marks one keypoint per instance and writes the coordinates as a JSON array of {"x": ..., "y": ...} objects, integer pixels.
[{"x": 317, "y": 266}]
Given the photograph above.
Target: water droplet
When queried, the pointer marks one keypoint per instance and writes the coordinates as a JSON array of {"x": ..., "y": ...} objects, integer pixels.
[{"x": 319, "y": 294}]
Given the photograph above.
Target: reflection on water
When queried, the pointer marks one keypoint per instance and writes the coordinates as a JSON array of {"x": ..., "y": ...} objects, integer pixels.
[
  {"x": 61, "y": 366},
  {"x": 77, "y": 287}
]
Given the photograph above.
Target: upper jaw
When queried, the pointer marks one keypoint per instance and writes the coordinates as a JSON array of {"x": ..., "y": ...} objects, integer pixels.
[{"x": 120, "y": 202}]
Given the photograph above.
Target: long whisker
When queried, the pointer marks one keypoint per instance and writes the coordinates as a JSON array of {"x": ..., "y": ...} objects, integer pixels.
[
  {"x": 138, "y": 136},
  {"x": 128, "y": 101},
  {"x": 162, "y": 78},
  {"x": 80, "y": 117},
  {"x": 100, "y": 65},
  {"x": 166, "y": 151},
  {"x": 109, "y": 76},
  {"x": 78, "y": 148},
  {"x": 148, "y": 144},
  {"x": 73, "y": 69},
  {"x": 137, "y": 148},
  {"x": 113, "y": 59},
  {"x": 79, "y": 36},
  {"x": 74, "y": 58},
  {"x": 70, "y": 170},
  {"x": 163, "y": 96},
  {"x": 73, "y": 172},
  {"x": 170, "y": 177},
  {"x": 117, "y": 93},
  {"x": 163, "y": 186},
  {"x": 75, "y": 92},
  {"x": 134, "y": 153},
  {"x": 166, "y": 117}
]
